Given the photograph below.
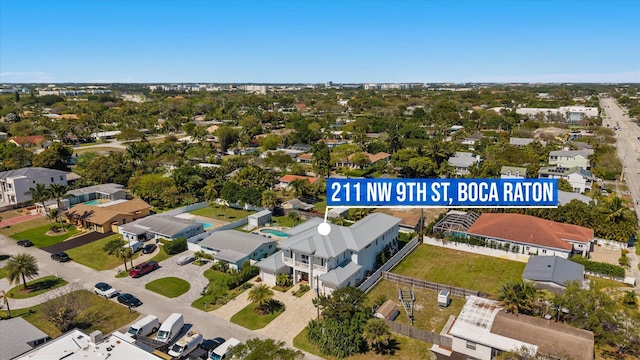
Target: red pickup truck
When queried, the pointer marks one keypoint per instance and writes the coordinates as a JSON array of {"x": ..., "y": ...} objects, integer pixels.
[{"x": 143, "y": 268}]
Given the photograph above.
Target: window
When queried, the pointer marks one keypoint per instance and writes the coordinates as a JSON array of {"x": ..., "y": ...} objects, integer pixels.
[
  {"x": 61, "y": 178},
  {"x": 471, "y": 345},
  {"x": 51, "y": 179},
  {"x": 544, "y": 251}
]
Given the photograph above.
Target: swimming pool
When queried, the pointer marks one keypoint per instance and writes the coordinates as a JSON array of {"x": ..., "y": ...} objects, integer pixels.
[
  {"x": 275, "y": 232},
  {"x": 92, "y": 202},
  {"x": 206, "y": 224}
]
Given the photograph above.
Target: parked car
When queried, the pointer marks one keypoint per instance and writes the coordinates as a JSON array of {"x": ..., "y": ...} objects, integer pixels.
[
  {"x": 129, "y": 300},
  {"x": 149, "y": 248},
  {"x": 104, "y": 289},
  {"x": 143, "y": 268},
  {"x": 25, "y": 242},
  {"x": 185, "y": 259},
  {"x": 60, "y": 256}
]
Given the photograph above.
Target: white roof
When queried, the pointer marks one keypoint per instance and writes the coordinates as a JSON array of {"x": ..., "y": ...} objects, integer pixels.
[
  {"x": 76, "y": 345},
  {"x": 474, "y": 324}
]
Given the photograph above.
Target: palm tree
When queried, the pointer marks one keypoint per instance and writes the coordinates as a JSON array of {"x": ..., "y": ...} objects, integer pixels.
[
  {"x": 58, "y": 192},
  {"x": 224, "y": 210},
  {"x": 125, "y": 253},
  {"x": 616, "y": 210},
  {"x": 517, "y": 296},
  {"x": 376, "y": 333},
  {"x": 21, "y": 266},
  {"x": 298, "y": 186},
  {"x": 5, "y": 298},
  {"x": 40, "y": 194},
  {"x": 261, "y": 295},
  {"x": 269, "y": 199},
  {"x": 294, "y": 217}
]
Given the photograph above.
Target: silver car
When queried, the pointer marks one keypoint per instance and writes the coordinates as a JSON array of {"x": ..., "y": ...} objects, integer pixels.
[{"x": 185, "y": 259}]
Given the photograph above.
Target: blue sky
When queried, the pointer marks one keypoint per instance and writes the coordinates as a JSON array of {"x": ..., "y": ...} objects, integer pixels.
[{"x": 319, "y": 41}]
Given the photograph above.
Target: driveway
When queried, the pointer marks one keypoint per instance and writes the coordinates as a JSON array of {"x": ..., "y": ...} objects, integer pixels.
[{"x": 76, "y": 241}]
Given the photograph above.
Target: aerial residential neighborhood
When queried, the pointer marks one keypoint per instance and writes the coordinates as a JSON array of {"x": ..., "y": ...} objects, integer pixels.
[{"x": 175, "y": 180}]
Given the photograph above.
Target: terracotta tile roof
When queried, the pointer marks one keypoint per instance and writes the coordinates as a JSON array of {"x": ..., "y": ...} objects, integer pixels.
[
  {"x": 530, "y": 230},
  {"x": 378, "y": 156},
  {"x": 290, "y": 178},
  {"x": 306, "y": 156},
  {"x": 69, "y": 116},
  {"x": 21, "y": 140}
]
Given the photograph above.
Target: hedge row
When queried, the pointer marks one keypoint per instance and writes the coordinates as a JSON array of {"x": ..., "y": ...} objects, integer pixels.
[{"x": 599, "y": 267}]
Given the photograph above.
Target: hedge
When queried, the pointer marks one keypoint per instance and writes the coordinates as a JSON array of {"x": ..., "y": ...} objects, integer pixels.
[
  {"x": 175, "y": 246},
  {"x": 599, "y": 267}
]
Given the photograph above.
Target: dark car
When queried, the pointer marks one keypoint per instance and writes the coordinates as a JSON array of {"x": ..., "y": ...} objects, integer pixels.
[
  {"x": 60, "y": 256},
  {"x": 149, "y": 248},
  {"x": 129, "y": 300},
  {"x": 25, "y": 243},
  {"x": 143, "y": 268}
]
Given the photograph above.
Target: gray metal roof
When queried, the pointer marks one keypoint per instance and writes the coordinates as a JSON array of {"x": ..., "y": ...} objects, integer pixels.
[
  {"x": 340, "y": 274},
  {"x": 521, "y": 141},
  {"x": 565, "y": 197},
  {"x": 14, "y": 335},
  {"x": 273, "y": 262},
  {"x": 166, "y": 225},
  {"x": 32, "y": 173},
  {"x": 260, "y": 214},
  {"x": 462, "y": 159},
  {"x": 241, "y": 242},
  {"x": 103, "y": 188},
  {"x": 570, "y": 153},
  {"x": 305, "y": 238},
  {"x": 552, "y": 269},
  {"x": 231, "y": 256}
]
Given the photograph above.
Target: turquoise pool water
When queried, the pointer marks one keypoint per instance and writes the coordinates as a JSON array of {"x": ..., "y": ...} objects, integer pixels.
[
  {"x": 275, "y": 232},
  {"x": 206, "y": 224},
  {"x": 92, "y": 202}
]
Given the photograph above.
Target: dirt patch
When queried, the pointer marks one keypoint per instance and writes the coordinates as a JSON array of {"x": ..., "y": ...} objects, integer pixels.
[
  {"x": 410, "y": 216},
  {"x": 606, "y": 255}
]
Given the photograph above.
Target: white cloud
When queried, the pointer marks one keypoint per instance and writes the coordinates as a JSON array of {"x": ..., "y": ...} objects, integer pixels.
[{"x": 25, "y": 76}]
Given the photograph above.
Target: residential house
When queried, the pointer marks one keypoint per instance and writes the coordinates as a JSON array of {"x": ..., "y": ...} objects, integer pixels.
[
  {"x": 285, "y": 181},
  {"x": 291, "y": 152},
  {"x": 552, "y": 273},
  {"x": 109, "y": 191},
  {"x": 472, "y": 140},
  {"x": 513, "y": 172},
  {"x": 565, "y": 197},
  {"x": 373, "y": 159},
  {"x": 306, "y": 158},
  {"x": 105, "y": 135},
  {"x": 342, "y": 258},
  {"x": 17, "y": 337},
  {"x": 107, "y": 217},
  {"x": 161, "y": 226},
  {"x": 236, "y": 247},
  {"x": 533, "y": 235},
  {"x": 332, "y": 143},
  {"x": 483, "y": 331},
  {"x": 581, "y": 180},
  {"x": 75, "y": 345},
  {"x": 3, "y": 136},
  {"x": 14, "y": 184},
  {"x": 522, "y": 142},
  {"x": 461, "y": 162},
  {"x": 570, "y": 158},
  {"x": 30, "y": 141}
]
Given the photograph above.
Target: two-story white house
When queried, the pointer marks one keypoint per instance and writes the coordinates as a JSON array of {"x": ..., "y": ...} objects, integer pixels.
[
  {"x": 342, "y": 258},
  {"x": 461, "y": 161},
  {"x": 14, "y": 184},
  {"x": 513, "y": 172},
  {"x": 580, "y": 179},
  {"x": 570, "y": 158}
]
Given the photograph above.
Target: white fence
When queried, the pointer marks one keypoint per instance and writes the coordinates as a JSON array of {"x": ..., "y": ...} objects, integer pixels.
[
  {"x": 369, "y": 282},
  {"x": 481, "y": 250}
]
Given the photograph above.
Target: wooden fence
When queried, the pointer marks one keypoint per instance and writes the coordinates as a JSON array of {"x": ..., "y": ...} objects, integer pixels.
[
  {"x": 422, "y": 284},
  {"x": 419, "y": 334}
]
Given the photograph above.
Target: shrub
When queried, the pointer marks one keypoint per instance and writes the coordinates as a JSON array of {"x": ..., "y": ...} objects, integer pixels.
[
  {"x": 599, "y": 267},
  {"x": 176, "y": 246}
]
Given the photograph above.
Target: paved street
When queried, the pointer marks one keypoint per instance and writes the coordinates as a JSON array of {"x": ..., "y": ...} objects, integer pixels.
[{"x": 210, "y": 325}]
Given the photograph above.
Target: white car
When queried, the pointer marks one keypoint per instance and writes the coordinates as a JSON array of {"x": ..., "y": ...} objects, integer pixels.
[
  {"x": 104, "y": 289},
  {"x": 185, "y": 259}
]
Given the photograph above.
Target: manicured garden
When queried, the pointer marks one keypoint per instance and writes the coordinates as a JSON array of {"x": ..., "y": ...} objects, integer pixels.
[
  {"x": 38, "y": 234},
  {"x": 93, "y": 255},
  {"x": 170, "y": 286},
  {"x": 459, "y": 268},
  {"x": 220, "y": 290},
  {"x": 248, "y": 318},
  {"x": 97, "y": 314},
  {"x": 36, "y": 287}
]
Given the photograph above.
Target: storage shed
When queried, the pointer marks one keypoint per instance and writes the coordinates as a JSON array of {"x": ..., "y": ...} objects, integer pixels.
[{"x": 387, "y": 311}]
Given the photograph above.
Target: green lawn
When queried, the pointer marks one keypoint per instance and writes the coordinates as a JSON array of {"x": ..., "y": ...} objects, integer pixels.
[
  {"x": 600, "y": 283},
  {"x": 161, "y": 255},
  {"x": 459, "y": 268},
  {"x": 38, "y": 236},
  {"x": 217, "y": 276},
  {"x": 248, "y": 319},
  {"x": 25, "y": 225},
  {"x": 99, "y": 314},
  {"x": 229, "y": 215},
  {"x": 170, "y": 286},
  {"x": 37, "y": 287},
  {"x": 93, "y": 256}
]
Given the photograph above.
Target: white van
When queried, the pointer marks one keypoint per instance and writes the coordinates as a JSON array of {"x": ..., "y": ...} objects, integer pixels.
[
  {"x": 186, "y": 344},
  {"x": 135, "y": 245},
  {"x": 145, "y": 326},
  {"x": 220, "y": 353},
  {"x": 170, "y": 328}
]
